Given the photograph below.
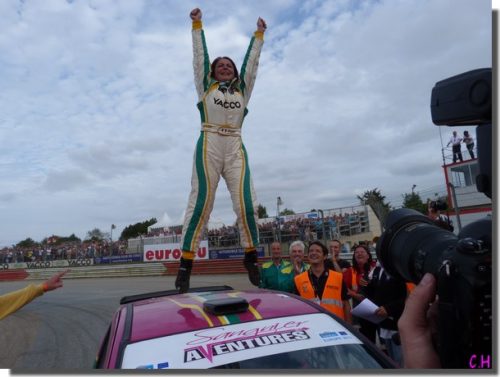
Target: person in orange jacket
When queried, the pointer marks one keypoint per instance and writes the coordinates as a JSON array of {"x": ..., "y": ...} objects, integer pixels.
[{"x": 321, "y": 285}]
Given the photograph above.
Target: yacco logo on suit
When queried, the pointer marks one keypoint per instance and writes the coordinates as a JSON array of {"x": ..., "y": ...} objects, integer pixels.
[{"x": 226, "y": 104}]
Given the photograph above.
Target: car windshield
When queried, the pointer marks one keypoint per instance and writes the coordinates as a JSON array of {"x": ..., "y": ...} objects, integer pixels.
[
  {"x": 302, "y": 341},
  {"x": 349, "y": 356}
]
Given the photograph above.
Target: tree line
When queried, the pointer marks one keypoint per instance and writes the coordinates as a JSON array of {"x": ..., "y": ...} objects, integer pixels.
[{"x": 373, "y": 198}]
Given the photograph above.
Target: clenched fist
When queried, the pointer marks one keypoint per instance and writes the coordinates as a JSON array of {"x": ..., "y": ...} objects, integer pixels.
[
  {"x": 261, "y": 25},
  {"x": 195, "y": 14}
]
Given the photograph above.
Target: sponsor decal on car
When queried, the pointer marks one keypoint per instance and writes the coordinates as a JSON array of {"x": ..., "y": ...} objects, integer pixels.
[
  {"x": 330, "y": 336},
  {"x": 225, "y": 347},
  {"x": 163, "y": 365},
  {"x": 215, "y": 346}
]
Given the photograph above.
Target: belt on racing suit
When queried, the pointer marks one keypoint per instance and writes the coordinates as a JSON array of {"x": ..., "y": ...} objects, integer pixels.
[{"x": 224, "y": 130}]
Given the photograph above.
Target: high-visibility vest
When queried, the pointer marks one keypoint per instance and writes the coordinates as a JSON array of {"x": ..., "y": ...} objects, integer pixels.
[
  {"x": 332, "y": 294},
  {"x": 354, "y": 279}
]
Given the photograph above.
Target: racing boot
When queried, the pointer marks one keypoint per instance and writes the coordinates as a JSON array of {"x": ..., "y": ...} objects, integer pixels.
[
  {"x": 183, "y": 275},
  {"x": 251, "y": 265}
]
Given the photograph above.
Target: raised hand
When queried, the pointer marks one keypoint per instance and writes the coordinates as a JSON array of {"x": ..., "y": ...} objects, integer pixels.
[
  {"x": 55, "y": 281},
  {"x": 195, "y": 14},
  {"x": 297, "y": 266},
  {"x": 261, "y": 25}
]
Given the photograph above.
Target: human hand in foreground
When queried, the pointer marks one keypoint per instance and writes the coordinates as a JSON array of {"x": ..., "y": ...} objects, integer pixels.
[
  {"x": 415, "y": 326},
  {"x": 195, "y": 14},
  {"x": 363, "y": 282},
  {"x": 54, "y": 282},
  {"x": 381, "y": 312}
]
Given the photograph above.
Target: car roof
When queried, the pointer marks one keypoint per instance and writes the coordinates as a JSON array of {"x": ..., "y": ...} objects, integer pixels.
[{"x": 165, "y": 313}]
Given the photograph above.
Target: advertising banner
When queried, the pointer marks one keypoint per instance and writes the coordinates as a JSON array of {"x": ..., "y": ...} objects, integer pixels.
[
  {"x": 119, "y": 259},
  {"x": 169, "y": 252},
  {"x": 233, "y": 253},
  {"x": 82, "y": 262}
]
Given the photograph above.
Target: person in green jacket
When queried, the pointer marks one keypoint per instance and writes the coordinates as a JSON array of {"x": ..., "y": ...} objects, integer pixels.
[
  {"x": 275, "y": 273},
  {"x": 13, "y": 301},
  {"x": 297, "y": 265}
]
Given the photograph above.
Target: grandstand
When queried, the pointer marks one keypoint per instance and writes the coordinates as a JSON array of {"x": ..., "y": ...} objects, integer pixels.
[{"x": 351, "y": 225}]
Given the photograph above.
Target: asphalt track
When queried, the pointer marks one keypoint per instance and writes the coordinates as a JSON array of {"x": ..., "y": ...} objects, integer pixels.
[{"x": 62, "y": 329}]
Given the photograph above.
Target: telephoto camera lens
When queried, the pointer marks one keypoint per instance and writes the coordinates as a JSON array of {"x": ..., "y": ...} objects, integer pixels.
[{"x": 413, "y": 245}]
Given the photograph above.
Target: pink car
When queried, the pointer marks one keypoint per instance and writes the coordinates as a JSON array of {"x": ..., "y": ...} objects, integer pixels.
[{"x": 218, "y": 327}]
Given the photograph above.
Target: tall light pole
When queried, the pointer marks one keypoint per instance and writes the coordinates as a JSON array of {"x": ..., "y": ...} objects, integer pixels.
[
  {"x": 113, "y": 226},
  {"x": 322, "y": 224},
  {"x": 278, "y": 203},
  {"x": 455, "y": 205},
  {"x": 413, "y": 189}
]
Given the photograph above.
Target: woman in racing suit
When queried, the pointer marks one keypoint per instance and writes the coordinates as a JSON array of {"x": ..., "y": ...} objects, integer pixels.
[{"x": 223, "y": 95}]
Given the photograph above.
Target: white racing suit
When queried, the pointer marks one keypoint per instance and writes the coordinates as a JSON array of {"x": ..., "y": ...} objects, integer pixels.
[{"x": 219, "y": 150}]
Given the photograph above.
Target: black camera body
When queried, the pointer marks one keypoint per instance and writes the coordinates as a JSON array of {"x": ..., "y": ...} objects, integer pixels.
[{"x": 412, "y": 244}]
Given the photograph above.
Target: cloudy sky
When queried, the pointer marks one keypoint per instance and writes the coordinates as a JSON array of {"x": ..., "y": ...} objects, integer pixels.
[{"x": 98, "y": 118}]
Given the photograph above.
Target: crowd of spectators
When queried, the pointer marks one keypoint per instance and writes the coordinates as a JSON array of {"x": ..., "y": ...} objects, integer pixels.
[
  {"x": 295, "y": 227},
  {"x": 164, "y": 231},
  {"x": 68, "y": 250},
  {"x": 289, "y": 228},
  {"x": 332, "y": 224}
]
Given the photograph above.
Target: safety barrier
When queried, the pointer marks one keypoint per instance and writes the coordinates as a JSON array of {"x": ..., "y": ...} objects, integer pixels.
[
  {"x": 84, "y": 270},
  {"x": 94, "y": 271}
]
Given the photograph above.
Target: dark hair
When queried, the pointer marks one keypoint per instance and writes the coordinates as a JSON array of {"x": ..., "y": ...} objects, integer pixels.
[
  {"x": 214, "y": 63},
  {"x": 366, "y": 267},
  {"x": 320, "y": 244}
]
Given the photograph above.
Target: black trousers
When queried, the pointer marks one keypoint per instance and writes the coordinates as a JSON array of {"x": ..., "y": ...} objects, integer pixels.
[
  {"x": 368, "y": 329},
  {"x": 457, "y": 153},
  {"x": 470, "y": 148}
]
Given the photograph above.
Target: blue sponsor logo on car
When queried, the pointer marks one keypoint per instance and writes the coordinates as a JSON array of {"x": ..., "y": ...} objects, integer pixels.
[
  {"x": 163, "y": 365},
  {"x": 334, "y": 335},
  {"x": 152, "y": 366}
]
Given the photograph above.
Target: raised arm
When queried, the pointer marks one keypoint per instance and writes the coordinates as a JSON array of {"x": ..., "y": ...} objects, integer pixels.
[
  {"x": 251, "y": 61},
  {"x": 201, "y": 61},
  {"x": 13, "y": 301}
]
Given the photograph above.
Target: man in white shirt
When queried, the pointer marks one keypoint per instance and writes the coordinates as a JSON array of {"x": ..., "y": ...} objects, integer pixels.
[{"x": 456, "y": 141}]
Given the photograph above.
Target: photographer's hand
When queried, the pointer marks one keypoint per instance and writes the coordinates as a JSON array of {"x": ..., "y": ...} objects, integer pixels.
[{"x": 415, "y": 327}]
